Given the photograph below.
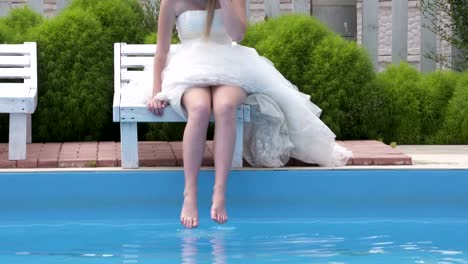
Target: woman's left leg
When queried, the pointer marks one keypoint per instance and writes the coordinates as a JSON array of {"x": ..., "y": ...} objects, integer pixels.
[{"x": 226, "y": 99}]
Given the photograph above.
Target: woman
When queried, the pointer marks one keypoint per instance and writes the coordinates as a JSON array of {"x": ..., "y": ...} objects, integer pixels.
[{"x": 209, "y": 74}]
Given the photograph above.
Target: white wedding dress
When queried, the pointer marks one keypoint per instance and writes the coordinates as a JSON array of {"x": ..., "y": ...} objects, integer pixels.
[{"x": 285, "y": 123}]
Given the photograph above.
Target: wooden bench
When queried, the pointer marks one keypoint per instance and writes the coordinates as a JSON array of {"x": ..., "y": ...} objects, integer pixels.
[
  {"x": 18, "y": 93},
  {"x": 129, "y": 60}
]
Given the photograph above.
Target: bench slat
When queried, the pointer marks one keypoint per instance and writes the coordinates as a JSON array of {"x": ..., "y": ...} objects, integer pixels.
[
  {"x": 140, "y": 113},
  {"x": 15, "y": 73},
  {"x": 127, "y": 76},
  {"x": 15, "y": 61},
  {"x": 15, "y": 49},
  {"x": 117, "y": 83},
  {"x": 138, "y": 49},
  {"x": 4, "y": 87},
  {"x": 131, "y": 62}
]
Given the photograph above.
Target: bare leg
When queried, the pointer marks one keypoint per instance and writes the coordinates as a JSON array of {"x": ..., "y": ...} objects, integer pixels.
[
  {"x": 226, "y": 99},
  {"x": 197, "y": 102}
]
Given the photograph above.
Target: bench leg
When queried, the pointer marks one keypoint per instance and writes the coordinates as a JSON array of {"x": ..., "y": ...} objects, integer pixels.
[
  {"x": 237, "y": 159},
  {"x": 17, "y": 140},
  {"x": 129, "y": 145},
  {"x": 28, "y": 130}
]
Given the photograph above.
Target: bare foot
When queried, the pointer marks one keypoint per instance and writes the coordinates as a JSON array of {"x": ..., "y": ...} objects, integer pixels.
[
  {"x": 189, "y": 214},
  {"x": 218, "y": 209}
]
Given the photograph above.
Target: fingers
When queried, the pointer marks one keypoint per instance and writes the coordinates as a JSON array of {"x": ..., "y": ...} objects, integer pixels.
[{"x": 156, "y": 106}]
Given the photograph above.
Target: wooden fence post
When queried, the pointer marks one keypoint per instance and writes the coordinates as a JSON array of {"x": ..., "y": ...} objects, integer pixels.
[
  {"x": 301, "y": 7},
  {"x": 456, "y": 58},
  {"x": 61, "y": 4},
  {"x": 370, "y": 29},
  {"x": 399, "y": 30},
  {"x": 4, "y": 7},
  {"x": 37, "y": 5},
  {"x": 272, "y": 8},
  {"x": 247, "y": 10},
  {"x": 428, "y": 40}
]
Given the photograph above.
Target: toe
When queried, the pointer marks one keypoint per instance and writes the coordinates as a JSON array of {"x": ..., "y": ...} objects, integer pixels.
[{"x": 213, "y": 216}]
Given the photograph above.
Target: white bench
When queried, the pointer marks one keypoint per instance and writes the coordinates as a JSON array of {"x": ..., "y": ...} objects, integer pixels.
[
  {"x": 127, "y": 58},
  {"x": 18, "y": 63}
]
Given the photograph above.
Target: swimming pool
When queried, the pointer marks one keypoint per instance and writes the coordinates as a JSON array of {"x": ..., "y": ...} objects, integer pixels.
[{"x": 305, "y": 216}]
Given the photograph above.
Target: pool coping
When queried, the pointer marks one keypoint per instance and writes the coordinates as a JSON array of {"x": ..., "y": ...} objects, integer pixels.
[
  {"x": 164, "y": 156},
  {"x": 301, "y": 168}
]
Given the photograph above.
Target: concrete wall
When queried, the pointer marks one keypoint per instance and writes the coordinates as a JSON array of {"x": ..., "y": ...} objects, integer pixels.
[{"x": 385, "y": 32}]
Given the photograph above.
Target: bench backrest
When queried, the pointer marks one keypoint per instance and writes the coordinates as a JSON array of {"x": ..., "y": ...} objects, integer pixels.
[
  {"x": 129, "y": 62},
  {"x": 19, "y": 61}
]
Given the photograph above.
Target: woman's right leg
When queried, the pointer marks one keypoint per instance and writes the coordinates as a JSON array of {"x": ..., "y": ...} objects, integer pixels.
[{"x": 197, "y": 102}]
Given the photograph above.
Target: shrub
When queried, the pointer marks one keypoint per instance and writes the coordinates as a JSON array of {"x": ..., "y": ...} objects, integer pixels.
[
  {"x": 340, "y": 79},
  {"x": 122, "y": 20},
  {"x": 6, "y": 33},
  {"x": 287, "y": 41},
  {"x": 437, "y": 89},
  {"x": 399, "y": 84},
  {"x": 75, "y": 83},
  {"x": 455, "y": 127},
  {"x": 336, "y": 73},
  {"x": 15, "y": 26}
]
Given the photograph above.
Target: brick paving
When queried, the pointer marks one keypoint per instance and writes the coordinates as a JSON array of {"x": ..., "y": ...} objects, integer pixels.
[{"x": 169, "y": 154}]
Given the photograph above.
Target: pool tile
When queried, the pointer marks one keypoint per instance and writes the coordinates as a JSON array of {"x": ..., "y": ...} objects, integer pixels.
[
  {"x": 27, "y": 163},
  {"x": 47, "y": 163},
  {"x": 362, "y": 161},
  {"x": 7, "y": 164},
  {"x": 399, "y": 159}
]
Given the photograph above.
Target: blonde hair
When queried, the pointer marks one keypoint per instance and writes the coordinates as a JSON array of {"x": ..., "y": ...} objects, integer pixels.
[{"x": 210, "y": 7}]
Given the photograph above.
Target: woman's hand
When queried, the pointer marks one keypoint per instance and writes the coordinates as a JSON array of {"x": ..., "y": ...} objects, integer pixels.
[{"x": 156, "y": 105}]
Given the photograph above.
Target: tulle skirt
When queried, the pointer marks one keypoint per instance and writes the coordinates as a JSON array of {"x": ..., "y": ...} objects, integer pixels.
[{"x": 284, "y": 122}]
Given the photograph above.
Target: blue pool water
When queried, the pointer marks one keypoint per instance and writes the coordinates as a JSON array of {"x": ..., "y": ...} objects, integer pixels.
[{"x": 320, "y": 216}]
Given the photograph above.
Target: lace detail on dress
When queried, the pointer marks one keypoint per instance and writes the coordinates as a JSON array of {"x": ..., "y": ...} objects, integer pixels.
[
  {"x": 266, "y": 139},
  {"x": 340, "y": 156}
]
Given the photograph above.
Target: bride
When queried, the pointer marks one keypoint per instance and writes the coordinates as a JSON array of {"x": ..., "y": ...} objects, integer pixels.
[{"x": 208, "y": 73}]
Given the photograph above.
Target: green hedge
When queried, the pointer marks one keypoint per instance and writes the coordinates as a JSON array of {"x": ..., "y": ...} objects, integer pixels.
[
  {"x": 423, "y": 108},
  {"x": 75, "y": 84},
  {"x": 15, "y": 26},
  {"x": 400, "y": 87},
  {"x": 121, "y": 19},
  {"x": 455, "y": 126},
  {"x": 437, "y": 89}
]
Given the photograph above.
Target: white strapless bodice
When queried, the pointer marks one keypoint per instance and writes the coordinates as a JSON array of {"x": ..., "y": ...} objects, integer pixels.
[{"x": 191, "y": 25}]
